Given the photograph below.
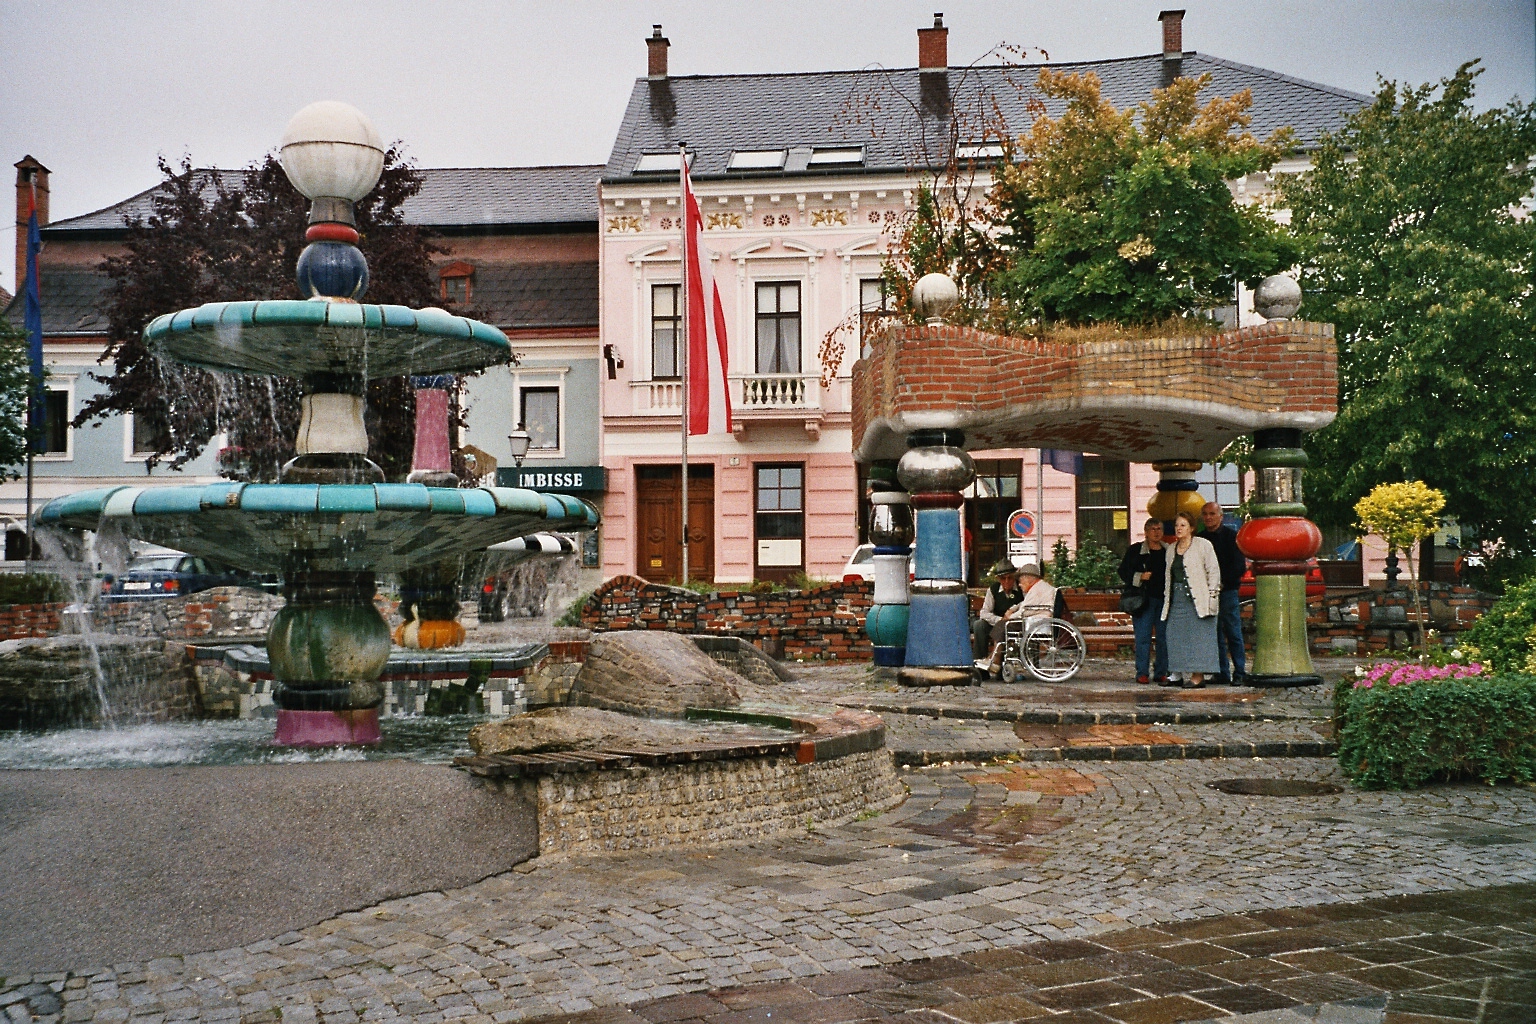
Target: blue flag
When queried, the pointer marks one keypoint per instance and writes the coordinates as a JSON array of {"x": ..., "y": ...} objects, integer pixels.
[
  {"x": 1062, "y": 460},
  {"x": 33, "y": 312}
]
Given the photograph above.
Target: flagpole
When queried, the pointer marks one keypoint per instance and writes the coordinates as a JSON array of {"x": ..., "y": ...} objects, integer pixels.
[
  {"x": 682, "y": 190},
  {"x": 1040, "y": 508},
  {"x": 32, "y": 383}
]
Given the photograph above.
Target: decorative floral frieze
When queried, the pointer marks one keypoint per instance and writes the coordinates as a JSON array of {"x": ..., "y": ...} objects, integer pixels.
[
  {"x": 623, "y": 222},
  {"x": 828, "y": 218}
]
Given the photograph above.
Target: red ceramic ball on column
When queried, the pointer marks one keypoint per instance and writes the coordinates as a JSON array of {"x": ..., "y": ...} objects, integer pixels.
[{"x": 1281, "y": 539}]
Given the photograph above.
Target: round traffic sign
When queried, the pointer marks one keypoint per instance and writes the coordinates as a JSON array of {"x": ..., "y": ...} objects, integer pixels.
[{"x": 1021, "y": 523}]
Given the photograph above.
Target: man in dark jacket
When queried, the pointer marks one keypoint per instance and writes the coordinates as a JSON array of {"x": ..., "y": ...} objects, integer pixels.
[
  {"x": 1001, "y": 597},
  {"x": 1230, "y": 617},
  {"x": 1142, "y": 571}
]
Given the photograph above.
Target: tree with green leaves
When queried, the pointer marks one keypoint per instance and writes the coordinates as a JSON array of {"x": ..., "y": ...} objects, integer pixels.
[
  {"x": 1125, "y": 215},
  {"x": 1421, "y": 255},
  {"x": 15, "y": 379},
  {"x": 212, "y": 239},
  {"x": 1402, "y": 515}
]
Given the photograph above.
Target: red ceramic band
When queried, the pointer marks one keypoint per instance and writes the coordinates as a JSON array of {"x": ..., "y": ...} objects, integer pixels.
[
  {"x": 937, "y": 501},
  {"x": 331, "y": 232}
]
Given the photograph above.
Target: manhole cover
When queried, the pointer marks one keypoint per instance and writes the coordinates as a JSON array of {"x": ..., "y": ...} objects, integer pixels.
[{"x": 1275, "y": 787}]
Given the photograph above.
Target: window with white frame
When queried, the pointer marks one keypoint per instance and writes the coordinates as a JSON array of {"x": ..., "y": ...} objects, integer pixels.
[
  {"x": 875, "y": 304},
  {"x": 145, "y": 436},
  {"x": 58, "y": 410},
  {"x": 541, "y": 417},
  {"x": 1221, "y": 484},
  {"x": 778, "y": 327},
  {"x": 666, "y": 331}
]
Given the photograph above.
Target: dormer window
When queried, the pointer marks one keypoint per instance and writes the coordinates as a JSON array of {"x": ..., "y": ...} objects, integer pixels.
[
  {"x": 756, "y": 160},
  {"x": 825, "y": 156},
  {"x": 979, "y": 151},
  {"x": 457, "y": 282}
]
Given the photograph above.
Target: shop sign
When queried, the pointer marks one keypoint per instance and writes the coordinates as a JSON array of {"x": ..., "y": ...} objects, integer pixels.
[{"x": 555, "y": 479}]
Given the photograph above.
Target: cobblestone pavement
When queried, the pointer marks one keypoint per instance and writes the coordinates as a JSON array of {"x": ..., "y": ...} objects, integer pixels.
[
  {"x": 1441, "y": 957},
  {"x": 978, "y": 858}
]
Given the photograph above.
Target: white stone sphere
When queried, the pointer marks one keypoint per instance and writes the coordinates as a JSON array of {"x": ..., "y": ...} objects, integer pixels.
[
  {"x": 332, "y": 150},
  {"x": 933, "y": 296},
  {"x": 1277, "y": 298}
]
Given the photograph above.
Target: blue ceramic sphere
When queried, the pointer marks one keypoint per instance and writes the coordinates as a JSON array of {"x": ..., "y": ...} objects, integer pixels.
[{"x": 335, "y": 270}]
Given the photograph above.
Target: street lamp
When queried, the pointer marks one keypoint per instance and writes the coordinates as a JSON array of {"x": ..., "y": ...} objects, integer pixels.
[{"x": 519, "y": 440}]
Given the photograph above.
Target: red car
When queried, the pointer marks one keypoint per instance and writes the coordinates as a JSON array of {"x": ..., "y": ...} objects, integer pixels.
[{"x": 1315, "y": 585}]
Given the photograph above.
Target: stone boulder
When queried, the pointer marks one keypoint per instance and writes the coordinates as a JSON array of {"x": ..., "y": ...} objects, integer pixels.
[
  {"x": 552, "y": 729},
  {"x": 654, "y": 673},
  {"x": 65, "y": 680}
]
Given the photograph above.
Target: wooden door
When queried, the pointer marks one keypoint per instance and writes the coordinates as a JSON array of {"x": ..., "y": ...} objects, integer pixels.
[{"x": 658, "y": 501}]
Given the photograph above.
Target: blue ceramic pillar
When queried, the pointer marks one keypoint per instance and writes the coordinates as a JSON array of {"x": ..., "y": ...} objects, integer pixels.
[
  {"x": 934, "y": 470},
  {"x": 890, "y": 530}
]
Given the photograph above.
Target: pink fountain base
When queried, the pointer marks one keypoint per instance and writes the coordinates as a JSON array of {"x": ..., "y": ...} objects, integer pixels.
[{"x": 327, "y": 728}]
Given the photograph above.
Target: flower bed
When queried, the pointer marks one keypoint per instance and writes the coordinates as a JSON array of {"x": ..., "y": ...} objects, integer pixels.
[{"x": 1403, "y": 725}]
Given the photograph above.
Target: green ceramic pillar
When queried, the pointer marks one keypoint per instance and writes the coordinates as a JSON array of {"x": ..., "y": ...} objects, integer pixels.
[{"x": 1280, "y": 539}]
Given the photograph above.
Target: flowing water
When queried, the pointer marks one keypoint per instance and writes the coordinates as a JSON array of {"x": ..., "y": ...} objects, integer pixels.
[{"x": 431, "y": 740}]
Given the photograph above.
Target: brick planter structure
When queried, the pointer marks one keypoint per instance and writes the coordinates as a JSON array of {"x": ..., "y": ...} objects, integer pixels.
[
  {"x": 825, "y": 622},
  {"x": 23, "y": 621}
]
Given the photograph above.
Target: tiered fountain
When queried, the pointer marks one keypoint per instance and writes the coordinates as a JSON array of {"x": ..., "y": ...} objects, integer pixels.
[{"x": 332, "y": 523}]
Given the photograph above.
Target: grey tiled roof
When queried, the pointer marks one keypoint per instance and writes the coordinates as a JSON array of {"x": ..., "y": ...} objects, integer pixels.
[
  {"x": 74, "y": 300},
  {"x": 530, "y": 295},
  {"x": 887, "y": 112},
  {"x": 450, "y": 197},
  {"x": 470, "y": 196}
]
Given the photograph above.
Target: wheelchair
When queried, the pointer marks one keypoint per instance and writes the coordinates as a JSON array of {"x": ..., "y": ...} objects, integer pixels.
[{"x": 1050, "y": 649}]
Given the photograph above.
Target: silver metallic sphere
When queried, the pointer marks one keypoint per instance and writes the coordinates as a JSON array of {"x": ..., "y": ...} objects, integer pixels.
[
  {"x": 933, "y": 296},
  {"x": 1277, "y": 298},
  {"x": 939, "y": 469}
]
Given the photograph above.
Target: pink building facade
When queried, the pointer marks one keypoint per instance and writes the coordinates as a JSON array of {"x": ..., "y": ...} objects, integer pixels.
[{"x": 804, "y": 180}]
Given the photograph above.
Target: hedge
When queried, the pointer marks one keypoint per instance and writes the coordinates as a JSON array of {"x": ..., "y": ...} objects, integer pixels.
[
  {"x": 34, "y": 588},
  {"x": 1402, "y": 737}
]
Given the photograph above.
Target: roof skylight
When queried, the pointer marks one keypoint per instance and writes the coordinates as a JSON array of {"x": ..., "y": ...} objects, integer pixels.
[
  {"x": 756, "y": 160},
  {"x": 978, "y": 151},
  {"x": 825, "y": 155},
  {"x": 653, "y": 162}
]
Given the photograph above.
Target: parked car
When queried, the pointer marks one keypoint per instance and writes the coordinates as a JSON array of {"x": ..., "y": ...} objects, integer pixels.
[
  {"x": 1316, "y": 587},
  {"x": 170, "y": 575},
  {"x": 861, "y": 564}
]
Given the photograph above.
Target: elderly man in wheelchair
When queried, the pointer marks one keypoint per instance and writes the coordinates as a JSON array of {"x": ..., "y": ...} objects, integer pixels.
[{"x": 1024, "y": 622}]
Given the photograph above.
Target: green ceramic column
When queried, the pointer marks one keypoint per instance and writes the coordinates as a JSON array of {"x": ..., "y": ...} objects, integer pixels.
[{"x": 1280, "y": 539}]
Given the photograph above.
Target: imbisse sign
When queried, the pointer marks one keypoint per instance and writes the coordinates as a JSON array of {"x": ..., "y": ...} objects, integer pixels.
[{"x": 560, "y": 479}]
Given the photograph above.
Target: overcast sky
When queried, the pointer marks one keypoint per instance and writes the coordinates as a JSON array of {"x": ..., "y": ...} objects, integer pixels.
[{"x": 96, "y": 90}]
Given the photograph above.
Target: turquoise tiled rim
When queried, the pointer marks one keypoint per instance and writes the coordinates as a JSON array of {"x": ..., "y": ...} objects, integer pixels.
[
  {"x": 294, "y": 338},
  {"x": 278, "y": 527}
]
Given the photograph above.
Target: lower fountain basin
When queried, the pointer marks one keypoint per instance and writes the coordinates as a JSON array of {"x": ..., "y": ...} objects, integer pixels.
[{"x": 381, "y": 528}]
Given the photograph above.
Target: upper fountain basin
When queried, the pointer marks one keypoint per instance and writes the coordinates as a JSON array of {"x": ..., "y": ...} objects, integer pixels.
[
  {"x": 303, "y": 338},
  {"x": 320, "y": 527}
]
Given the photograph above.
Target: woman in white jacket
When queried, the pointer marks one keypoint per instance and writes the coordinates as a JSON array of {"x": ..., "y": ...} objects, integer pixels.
[{"x": 1191, "y": 596}]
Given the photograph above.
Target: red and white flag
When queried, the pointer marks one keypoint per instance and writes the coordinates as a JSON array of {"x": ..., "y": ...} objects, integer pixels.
[{"x": 709, "y": 400}]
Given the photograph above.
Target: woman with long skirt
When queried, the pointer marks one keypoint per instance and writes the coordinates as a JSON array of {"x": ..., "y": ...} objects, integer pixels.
[{"x": 1191, "y": 598}]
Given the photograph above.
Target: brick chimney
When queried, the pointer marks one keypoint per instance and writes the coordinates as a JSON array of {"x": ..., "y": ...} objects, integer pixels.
[
  {"x": 656, "y": 54},
  {"x": 933, "y": 46},
  {"x": 1173, "y": 34},
  {"x": 29, "y": 173}
]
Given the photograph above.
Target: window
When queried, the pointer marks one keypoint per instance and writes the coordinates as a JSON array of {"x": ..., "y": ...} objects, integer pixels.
[
  {"x": 1104, "y": 502},
  {"x": 653, "y": 163},
  {"x": 1220, "y": 484},
  {"x": 874, "y": 305},
  {"x": 666, "y": 331},
  {"x": 457, "y": 281},
  {"x": 456, "y": 289},
  {"x": 825, "y": 155},
  {"x": 979, "y": 151},
  {"x": 56, "y": 417},
  {"x": 778, "y": 327},
  {"x": 541, "y": 417},
  {"x": 148, "y": 436},
  {"x": 756, "y": 160},
  {"x": 780, "y": 515}
]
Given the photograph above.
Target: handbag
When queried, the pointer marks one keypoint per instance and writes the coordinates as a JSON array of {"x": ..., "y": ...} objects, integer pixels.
[{"x": 1132, "y": 599}]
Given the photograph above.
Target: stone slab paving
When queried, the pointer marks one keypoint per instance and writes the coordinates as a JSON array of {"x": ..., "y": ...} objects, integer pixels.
[
  {"x": 1441, "y": 957},
  {"x": 979, "y": 858}
]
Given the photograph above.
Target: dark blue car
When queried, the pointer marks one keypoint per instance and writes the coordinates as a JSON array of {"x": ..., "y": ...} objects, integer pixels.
[{"x": 169, "y": 575}]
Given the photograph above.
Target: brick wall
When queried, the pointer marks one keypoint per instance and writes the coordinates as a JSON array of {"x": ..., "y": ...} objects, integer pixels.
[
  {"x": 826, "y": 622},
  {"x": 1372, "y": 620},
  {"x": 1137, "y": 399},
  {"x": 20, "y": 621}
]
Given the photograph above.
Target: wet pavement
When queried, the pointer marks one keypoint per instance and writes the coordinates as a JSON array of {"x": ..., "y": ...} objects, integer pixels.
[{"x": 1081, "y": 891}]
